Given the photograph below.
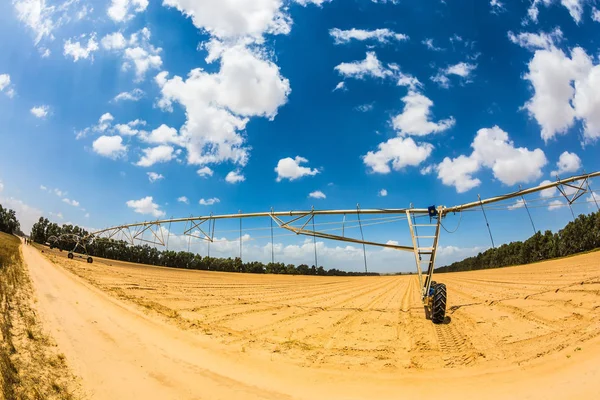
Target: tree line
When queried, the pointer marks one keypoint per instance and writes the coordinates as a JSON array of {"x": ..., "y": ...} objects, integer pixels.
[
  {"x": 145, "y": 254},
  {"x": 583, "y": 234},
  {"x": 8, "y": 221}
]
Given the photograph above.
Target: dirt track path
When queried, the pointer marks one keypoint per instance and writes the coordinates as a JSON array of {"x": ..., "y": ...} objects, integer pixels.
[{"x": 120, "y": 352}]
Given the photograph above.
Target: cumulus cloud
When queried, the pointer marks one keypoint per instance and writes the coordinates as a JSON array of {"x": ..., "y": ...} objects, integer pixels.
[
  {"x": 138, "y": 54},
  {"x": 414, "y": 119},
  {"x": 461, "y": 69},
  {"x": 163, "y": 135},
  {"x": 555, "y": 205},
  {"x": 290, "y": 168},
  {"x": 5, "y": 85},
  {"x": 369, "y": 67},
  {"x": 567, "y": 162},
  {"x": 103, "y": 125},
  {"x": 492, "y": 149},
  {"x": 183, "y": 199},
  {"x": 78, "y": 51},
  {"x": 383, "y": 193},
  {"x": 153, "y": 176},
  {"x": 134, "y": 95},
  {"x": 230, "y": 20},
  {"x": 218, "y": 105},
  {"x": 40, "y": 111},
  {"x": 574, "y": 7},
  {"x": 205, "y": 172},
  {"x": 41, "y": 17},
  {"x": 520, "y": 203},
  {"x": 565, "y": 90},
  {"x": 235, "y": 177},
  {"x": 340, "y": 86},
  {"x": 429, "y": 44},
  {"x": 26, "y": 214},
  {"x": 145, "y": 206},
  {"x": 110, "y": 146},
  {"x": 70, "y": 202},
  {"x": 535, "y": 41},
  {"x": 209, "y": 202},
  {"x": 317, "y": 194},
  {"x": 154, "y": 155},
  {"x": 129, "y": 129},
  {"x": 496, "y": 6},
  {"x": 401, "y": 152},
  {"x": 381, "y": 35},
  {"x": 124, "y": 10}
]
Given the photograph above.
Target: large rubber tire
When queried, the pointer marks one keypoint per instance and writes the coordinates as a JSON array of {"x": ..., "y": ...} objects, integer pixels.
[
  {"x": 438, "y": 306},
  {"x": 90, "y": 260},
  {"x": 70, "y": 255}
]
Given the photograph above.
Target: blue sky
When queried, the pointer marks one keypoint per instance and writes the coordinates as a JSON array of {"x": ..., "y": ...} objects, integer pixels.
[{"x": 111, "y": 111}]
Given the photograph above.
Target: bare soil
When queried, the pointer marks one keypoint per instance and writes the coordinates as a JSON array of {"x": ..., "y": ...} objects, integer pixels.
[{"x": 528, "y": 331}]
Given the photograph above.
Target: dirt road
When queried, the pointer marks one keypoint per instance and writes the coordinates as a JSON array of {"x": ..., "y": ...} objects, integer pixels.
[{"x": 526, "y": 332}]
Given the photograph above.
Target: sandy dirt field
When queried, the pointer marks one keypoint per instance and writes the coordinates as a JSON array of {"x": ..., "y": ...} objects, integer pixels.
[{"x": 131, "y": 330}]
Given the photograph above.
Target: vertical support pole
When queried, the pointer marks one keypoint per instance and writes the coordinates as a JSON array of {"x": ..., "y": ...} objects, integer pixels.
[
  {"x": 415, "y": 247},
  {"x": 343, "y": 225},
  {"x": 314, "y": 241},
  {"x": 362, "y": 236},
  {"x": 528, "y": 213},
  {"x": 272, "y": 244},
  {"x": 190, "y": 238},
  {"x": 240, "y": 236},
  {"x": 169, "y": 234},
  {"x": 486, "y": 221}
]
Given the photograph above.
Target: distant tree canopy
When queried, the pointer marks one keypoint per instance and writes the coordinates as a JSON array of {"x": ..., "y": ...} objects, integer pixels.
[
  {"x": 8, "y": 221},
  {"x": 146, "y": 254},
  {"x": 583, "y": 234}
]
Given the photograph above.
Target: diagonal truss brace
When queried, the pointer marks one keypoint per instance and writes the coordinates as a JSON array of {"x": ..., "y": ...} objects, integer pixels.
[
  {"x": 580, "y": 190},
  {"x": 301, "y": 231}
]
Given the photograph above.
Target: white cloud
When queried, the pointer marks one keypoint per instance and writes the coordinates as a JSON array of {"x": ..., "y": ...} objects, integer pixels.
[
  {"x": 153, "y": 177},
  {"x": 317, "y": 194},
  {"x": 290, "y": 168},
  {"x": 520, "y": 203},
  {"x": 575, "y": 8},
  {"x": 42, "y": 187},
  {"x": 44, "y": 52},
  {"x": 154, "y": 155},
  {"x": 73, "y": 203},
  {"x": 567, "y": 162},
  {"x": 40, "y": 111},
  {"x": 145, "y": 206},
  {"x": 364, "y": 107},
  {"x": 104, "y": 124},
  {"x": 209, "y": 202},
  {"x": 123, "y": 10},
  {"x": 142, "y": 60},
  {"x": 59, "y": 192},
  {"x": 37, "y": 15},
  {"x": 401, "y": 152},
  {"x": 230, "y": 19},
  {"x": 319, "y": 3},
  {"x": 496, "y": 6},
  {"x": 534, "y": 41},
  {"x": 114, "y": 41},
  {"x": 235, "y": 177},
  {"x": 110, "y": 146},
  {"x": 26, "y": 214},
  {"x": 557, "y": 102},
  {"x": 369, "y": 67},
  {"x": 555, "y": 205},
  {"x": 492, "y": 149},
  {"x": 205, "y": 172},
  {"x": 183, "y": 199},
  {"x": 126, "y": 130},
  {"x": 340, "y": 86},
  {"x": 429, "y": 44},
  {"x": 163, "y": 135},
  {"x": 461, "y": 69},
  {"x": 57, "y": 215},
  {"x": 383, "y": 193},
  {"x": 595, "y": 14},
  {"x": 4, "y": 81},
  {"x": 547, "y": 193},
  {"x": 414, "y": 119},
  {"x": 380, "y": 35},
  {"x": 427, "y": 170},
  {"x": 134, "y": 95},
  {"x": 218, "y": 106},
  {"x": 408, "y": 80},
  {"x": 77, "y": 51}
]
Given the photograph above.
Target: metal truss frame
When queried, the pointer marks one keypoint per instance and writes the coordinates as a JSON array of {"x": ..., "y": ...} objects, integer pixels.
[{"x": 297, "y": 222}]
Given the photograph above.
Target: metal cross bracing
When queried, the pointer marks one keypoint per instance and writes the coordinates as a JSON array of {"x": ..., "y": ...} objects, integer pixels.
[{"x": 424, "y": 235}]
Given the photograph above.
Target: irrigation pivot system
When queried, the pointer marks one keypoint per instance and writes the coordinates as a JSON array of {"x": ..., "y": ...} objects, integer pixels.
[{"x": 424, "y": 225}]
